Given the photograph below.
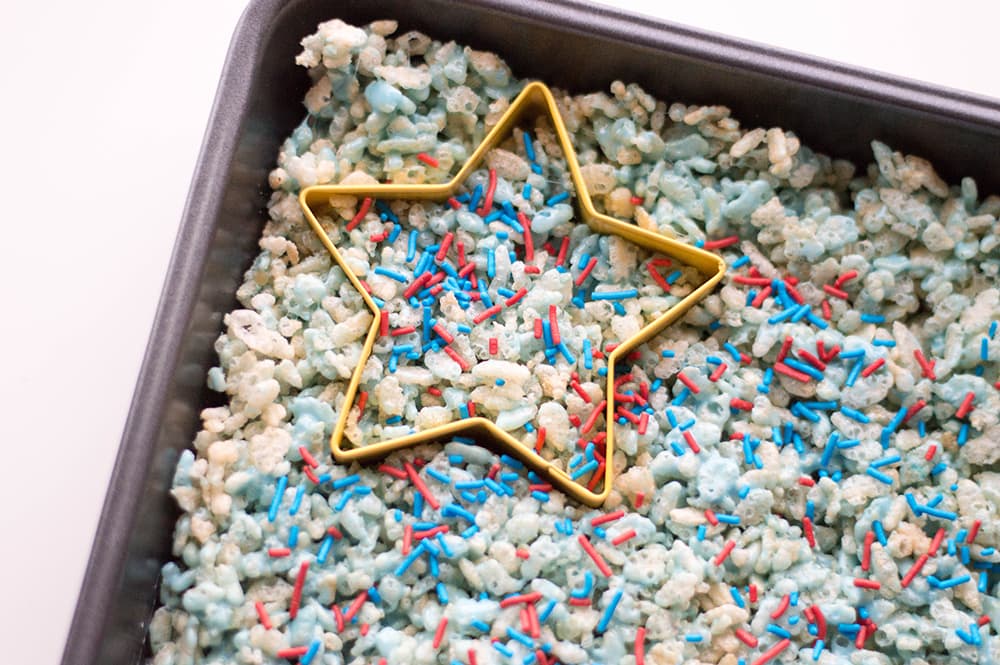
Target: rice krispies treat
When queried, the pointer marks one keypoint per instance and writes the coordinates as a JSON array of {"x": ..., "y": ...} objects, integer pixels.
[{"x": 841, "y": 505}]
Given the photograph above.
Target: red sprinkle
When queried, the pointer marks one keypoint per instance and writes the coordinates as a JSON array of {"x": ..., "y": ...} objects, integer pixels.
[
  {"x": 762, "y": 296},
  {"x": 265, "y": 620},
  {"x": 812, "y": 360},
  {"x": 636, "y": 200},
  {"x": 782, "y": 368},
  {"x": 356, "y": 605},
  {"x": 300, "y": 580},
  {"x": 364, "y": 629},
  {"x": 453, "y": 354},
  {"x": 418, "y": 482},
  {"x": 859, "y": 641},
  {"x": 786, "y": 346},
  {"x": 691, "y": 385},
  {"x": 586, "y": 270},
  {"x": 926, "y": 366},
  {"x": 846, "y": 277},
  {"x": 532, "y": 597},
  {"x": 307, "y": 456},
  {"x": 529, "y": 242},
  {"x": 746, "y": 638},
  {"x": 338, "y": 616},
  {"x": 719, "y": 371},
  {"x": 721, "y": 242},
  {"x": 640, "y": 646},
  {"x": 407, "y": 538},
  {"x": 914, "y": 409},
  {"x": 710, "y": 516},
  {"x": 522, "y": 553},
  {"x": 741, "y": 404},
  {"x": 657, "y": 277},
  {"x": 403, "y": 331},
  {"x": 485, "y": 314},
  {"x": 521, "y": 292},
  {"x": 427, "y": 159},
  {"x": 628, "y": 535},
  {"x": 820, "y": 621},
  {"x": 835, "y": 292},
  {"x": 540, "y": 440},
  {"x": 724, "y": 554},
  {"x": 592, "y": 418},
  {"x": 554, "y": 325},
  {"x": 827, "y": 312},
  {"x": 752, "y": 590},
  {"x": 362, "y": 400},
  {"x": 983, "y": 620},
  {"x": 362, "y": 211},
  {"x": 973, "y": 532},
  {"x": 278, "y": 552},
  {"x": 806, "y": 481},
  {"x": 931, "y": 449},
  {"x": 936, "y": 541},
  {"x": 392, "y": 471},
  {"x": 442, "y": 333},
  {"x": 563, "y": 249},
  {"x": 439, "y": 633},
  {"x": 293, "y": 652},
  {"x": 807, "y": 529},
  {"x": 966, "y": 406},
  {"x": 866, "y": 556},
  {"x": 491, "y": 188},
  {"x": 595, "y": 556},
  {"x": 782, "y": 607},
  {"x": 866, "y": 584},
  {"x": 639, "y": 498},
  {"x": 772, "y": 652},
  {"x": 692, "y": 444},
  {"x": 912, "y": 572}
]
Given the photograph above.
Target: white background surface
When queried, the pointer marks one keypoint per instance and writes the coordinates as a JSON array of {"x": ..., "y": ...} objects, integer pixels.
[{"x": 104, "y": 107}]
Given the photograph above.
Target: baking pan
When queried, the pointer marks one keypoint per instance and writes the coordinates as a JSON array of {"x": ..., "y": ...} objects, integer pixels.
[{"x": 833, "y": 108}]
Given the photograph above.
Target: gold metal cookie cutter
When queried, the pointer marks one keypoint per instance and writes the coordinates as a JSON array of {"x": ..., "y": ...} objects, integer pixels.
[{"x": 534, "y": 100}]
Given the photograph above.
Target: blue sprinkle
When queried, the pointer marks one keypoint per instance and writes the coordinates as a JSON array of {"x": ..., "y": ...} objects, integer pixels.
[
  {"x": 853, "y": 374},
  {"x": 293, "y": 536},
  {"x": 886, "y": 461},
  {"x": 300, "y": 492},
  {"x": 879, "y": 533},
  {"x": 442, "y": 593},
  {"x": 479, "y": 624},
  {"x": 391, "y": 274},
  {"x": 544, "y": 614},
  {"x": 437, "y": 475},
  {"x": 727, "y": 519},
  {"x": 470, "y": 532},
  {"x": 775, "y": 629},
  {"x": 667, "y": 353},
  {"x": 854, "y": 414},
  {"x": 853, "y": 353},
  {"x": 693, "y": 637},
  {"x": 872, "y": 318},
  {"x": 740, "y": 262},
  {"x": 324, "y": 549},
  {"x": 346, "y": 481},
  {"x": 953, "y": 582},
  {"x": 794, "y": 598},
  {"x": 540, "y": 496},
  {"x": 614, "y": 295},
  {"x": 744, "y": 491},
  {"x": 737, "y": 598},
  {"x": 818, "y": 649},
  {"x": 676, "y": 448},
  {"x": 879, "y": 476},
  {"x": 502, "y": 649},
  {"x": 963, "y": 434},
  {"x": 884, "y": 342},
  {"x": 308, "y": 656},
  {"x": 804, "y": 368},
  {"x": 411, "y": 248},
  {"x": 608, "y": 612},
  {"x": 733, "y": 351},
  {"x": 529, "y": 149},
  {"x": 279, "y": 492},
  {"x": 701, "y": 531},
  {"x": 681, "y": 396},
  {"x": 558, "y": 198}
]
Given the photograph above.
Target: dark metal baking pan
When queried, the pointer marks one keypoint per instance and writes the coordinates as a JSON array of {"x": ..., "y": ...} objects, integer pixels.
[{"x": 580, "y": 47}]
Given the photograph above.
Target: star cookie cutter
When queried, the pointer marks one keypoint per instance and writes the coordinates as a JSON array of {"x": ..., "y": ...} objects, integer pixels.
[{"x": 535, "y": 99}]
